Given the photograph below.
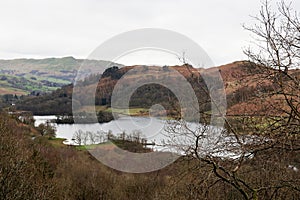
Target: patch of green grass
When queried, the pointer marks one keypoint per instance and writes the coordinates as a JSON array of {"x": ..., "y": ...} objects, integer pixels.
[
  {"x": 130, "y": 111},
  {"x": 57, "y": 142},
  {"x": 92, "y": 146},
  {"x": 81, "y": 147},
  {"x": 258, "y": 124},
  {"x": 50, "y": 79},
  {"x": 28, "y": 83}
]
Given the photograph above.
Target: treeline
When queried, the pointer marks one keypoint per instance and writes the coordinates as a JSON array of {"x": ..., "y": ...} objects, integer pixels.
[
  {"x": 133, "y": 142},
  {"x": 58, "y": 102},
  {"x": 84, "y": 118}
]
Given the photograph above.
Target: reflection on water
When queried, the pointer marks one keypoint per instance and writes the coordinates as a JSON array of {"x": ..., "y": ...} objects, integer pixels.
[
  {"x": 214, "y": 140},
  {"x": 151, "y": 128},
  {"x": 42, "y": 119}
]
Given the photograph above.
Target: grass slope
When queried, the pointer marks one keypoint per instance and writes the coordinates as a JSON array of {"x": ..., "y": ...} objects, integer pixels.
[{"x": 22, "y": 76}]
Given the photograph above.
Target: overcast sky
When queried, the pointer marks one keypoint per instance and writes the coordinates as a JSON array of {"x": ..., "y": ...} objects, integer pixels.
[{"x": 57, "y": 28}]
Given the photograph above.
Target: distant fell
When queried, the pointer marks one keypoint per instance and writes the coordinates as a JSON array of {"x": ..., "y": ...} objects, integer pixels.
[
  {"x": 24, "y": 76},
  {"x": 247, "y": 92}
]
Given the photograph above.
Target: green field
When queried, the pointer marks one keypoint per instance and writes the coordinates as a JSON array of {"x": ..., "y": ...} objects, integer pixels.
[
  {"x": 12, "y": 84},
  {"x": 22, "y": 76},
  {"x": 130, "y": 111}
]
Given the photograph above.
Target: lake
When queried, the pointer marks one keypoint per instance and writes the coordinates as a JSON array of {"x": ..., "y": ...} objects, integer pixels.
[
  {"x": 151, "y": 128},
  {"x": 154, "y": 130}
]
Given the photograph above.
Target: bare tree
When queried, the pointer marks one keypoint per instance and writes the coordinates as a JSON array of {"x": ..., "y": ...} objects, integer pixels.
[
  {"x": 182, "y": 58},
  {"x": 277, "y": 52},
  {"x": 100, "y": 137},
  {"x": 255, "y": 160},
  {"x": 47, "y": 129},
  {"x": 91, "y": 137},
  {"x": 78, "y": 137}
]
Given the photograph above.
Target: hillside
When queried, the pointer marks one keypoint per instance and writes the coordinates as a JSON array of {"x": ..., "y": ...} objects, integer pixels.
[
  {"x": 24, "y": 76},
  {"x": 246, "y": 94}
]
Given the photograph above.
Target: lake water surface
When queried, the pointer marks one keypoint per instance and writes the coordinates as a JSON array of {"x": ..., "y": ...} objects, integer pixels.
[{"x": 151, "y": 128}]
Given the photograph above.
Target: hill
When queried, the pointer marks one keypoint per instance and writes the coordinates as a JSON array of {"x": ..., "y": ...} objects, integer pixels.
[
  {"x": 246, "y": 93},
  {"x": 25, "y": 76}
]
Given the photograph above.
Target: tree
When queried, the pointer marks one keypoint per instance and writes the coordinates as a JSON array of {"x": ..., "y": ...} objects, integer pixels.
[
  {"x": 253, "y": 161},
  {"x": 24, "y": 173},
  {"x": 26, "y": 118},
  {"x": 278, "y": 53},
  {"x": 78, "y": 137},
  {"x": 47, "y": 129}
]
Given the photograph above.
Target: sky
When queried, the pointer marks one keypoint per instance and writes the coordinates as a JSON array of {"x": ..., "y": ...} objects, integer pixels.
[{"x": 58, "y": 28}]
